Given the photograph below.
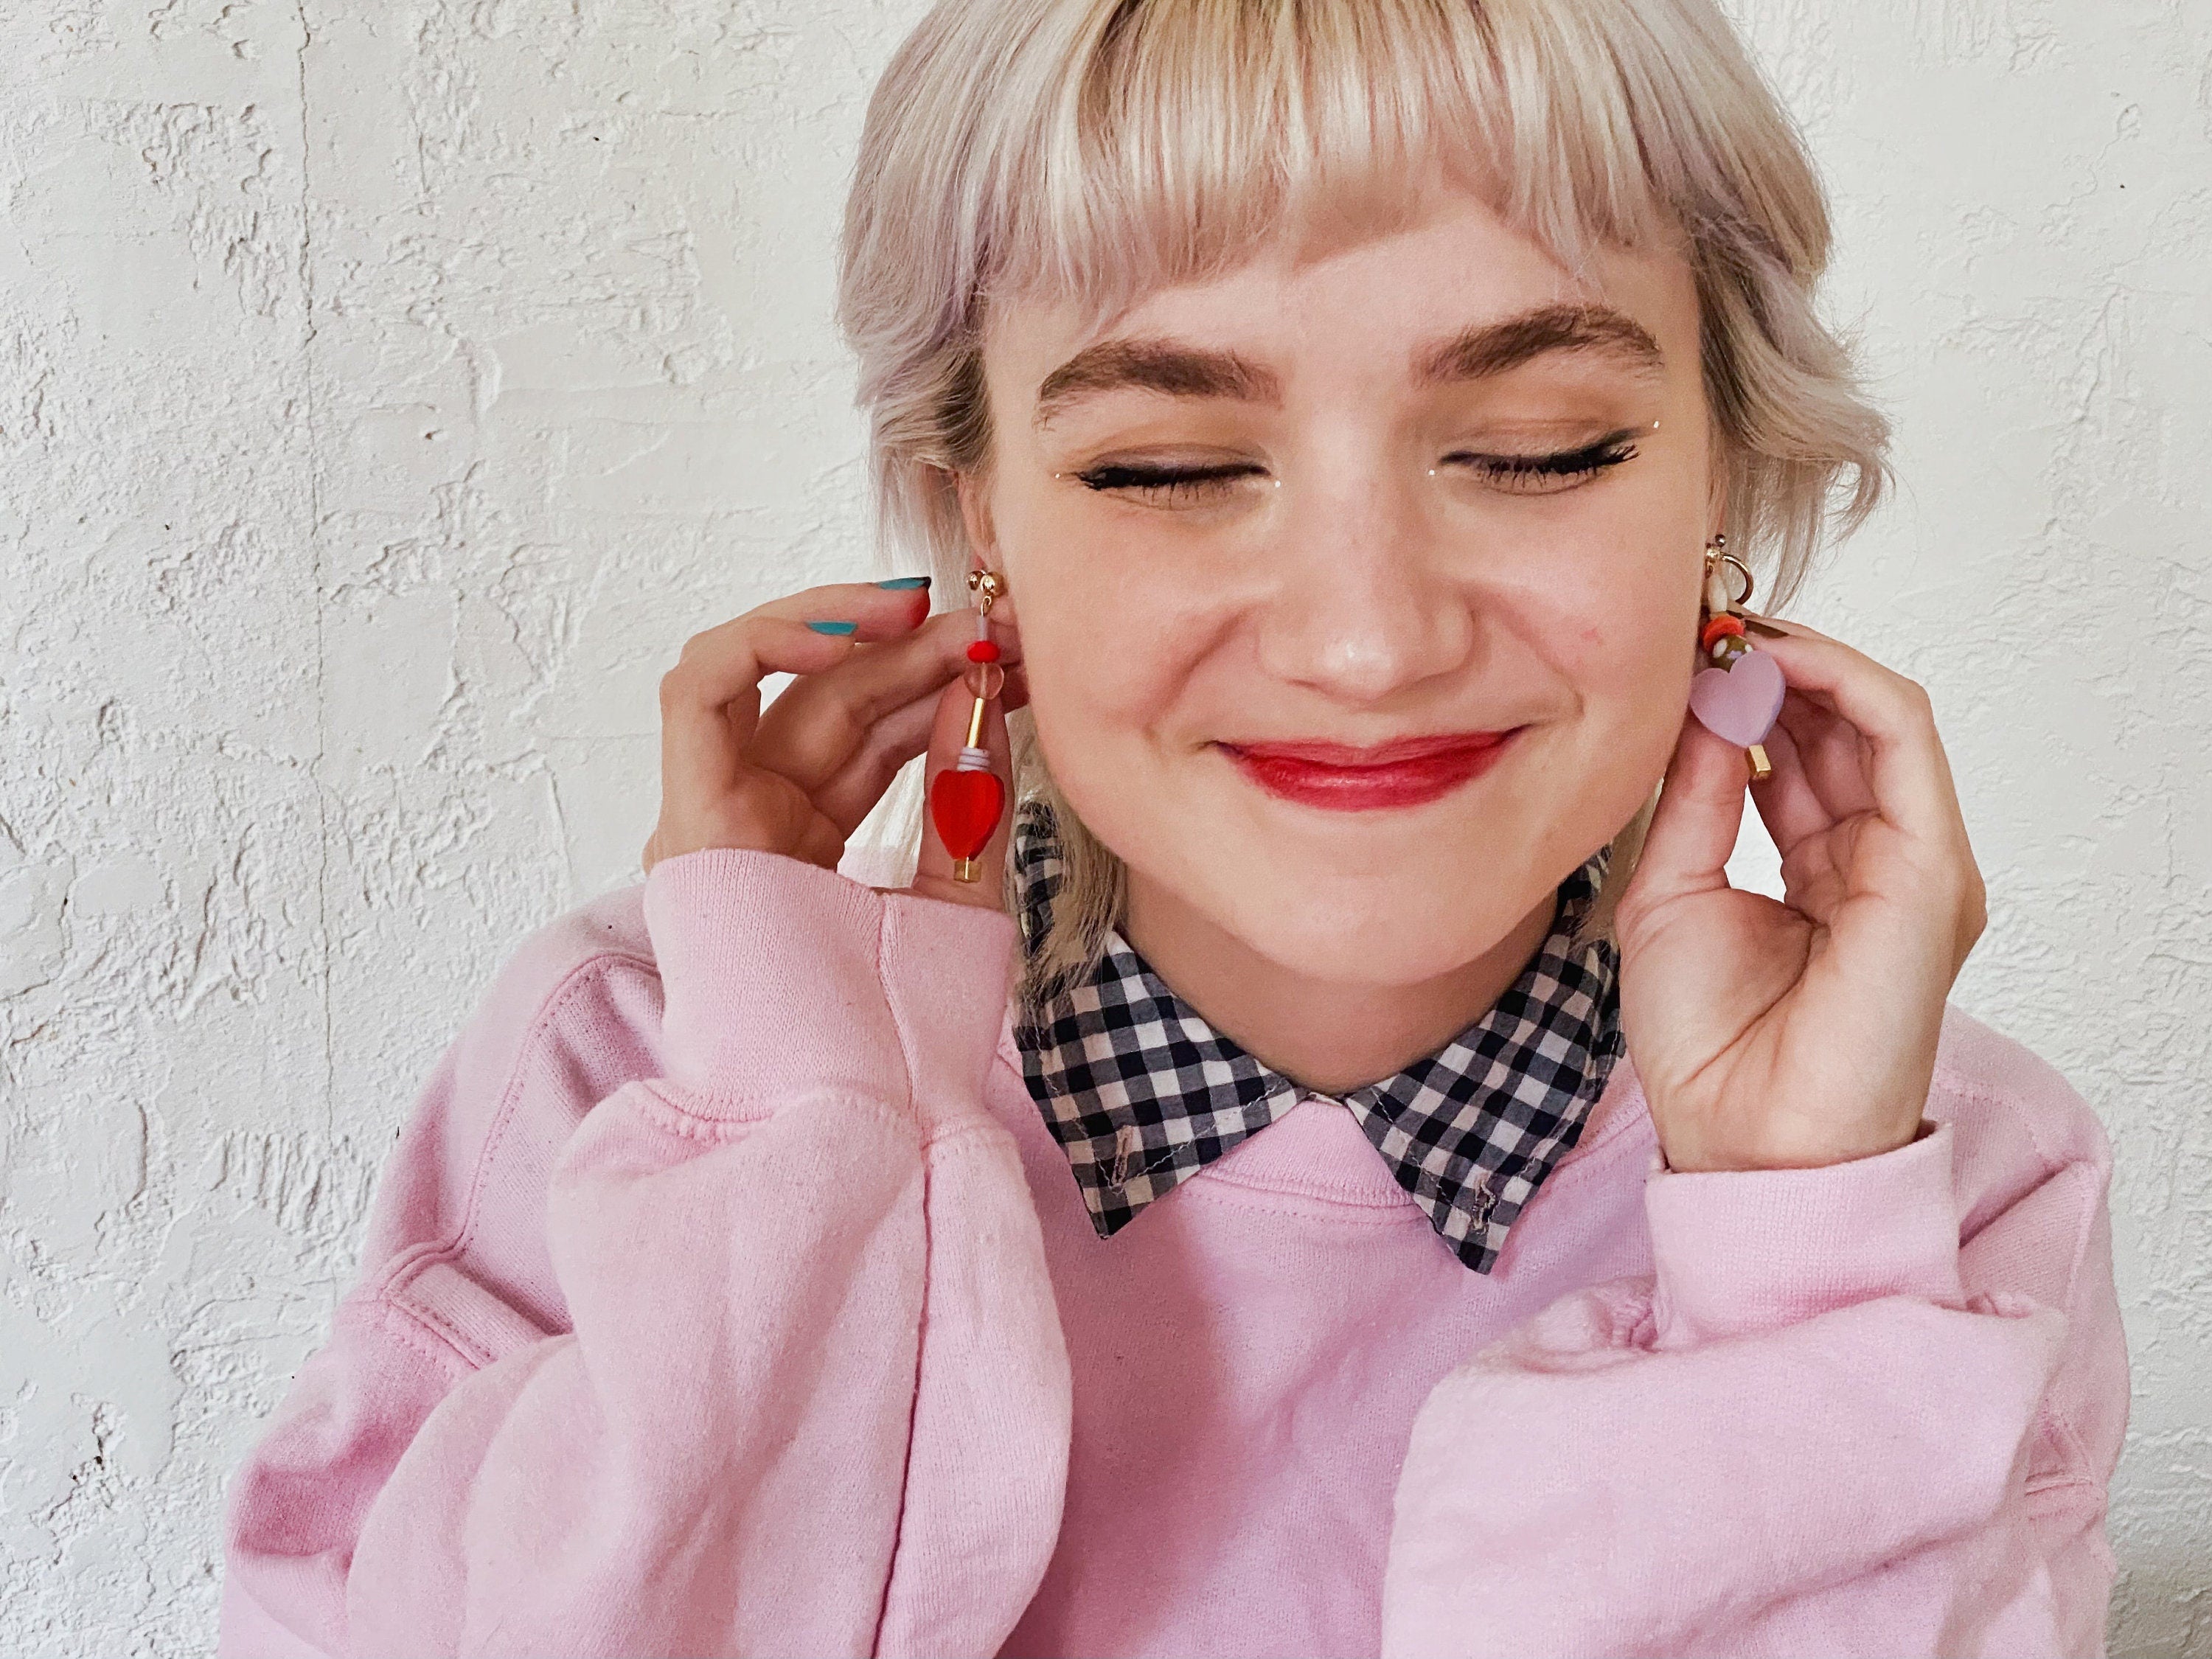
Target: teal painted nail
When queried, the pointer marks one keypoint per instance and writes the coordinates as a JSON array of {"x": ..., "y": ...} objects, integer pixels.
[
  {"x": 833, "y": 628},
  {"x": 905, "y": 581}
]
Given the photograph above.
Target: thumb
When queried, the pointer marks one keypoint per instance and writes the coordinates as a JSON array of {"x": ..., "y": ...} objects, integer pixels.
[
  {"x": 967, "y": 800},
  {"x": 1694, "y": 828}
]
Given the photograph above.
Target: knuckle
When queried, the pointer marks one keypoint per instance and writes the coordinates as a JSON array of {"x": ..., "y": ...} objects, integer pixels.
[
  {"x": 1977, "y": 906},
  {"x": 1954, "y": 888},
  {"x": 748, "y": 820},
  {"x": 1632, "y": 910}
]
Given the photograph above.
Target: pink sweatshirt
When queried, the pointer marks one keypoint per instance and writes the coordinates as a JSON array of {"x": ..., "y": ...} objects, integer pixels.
[{"x": 727, "y": 1294}]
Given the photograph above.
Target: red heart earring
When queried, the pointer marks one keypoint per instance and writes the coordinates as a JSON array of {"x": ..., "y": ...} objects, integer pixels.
[
  {"x": 1739, "y": 696},
  {"x": 968, "y": 798}
]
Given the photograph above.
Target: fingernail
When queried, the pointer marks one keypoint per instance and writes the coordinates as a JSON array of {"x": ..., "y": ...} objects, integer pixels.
[
  {"x": 905, "y": 581},
  {"x": 832, "y": 626}
]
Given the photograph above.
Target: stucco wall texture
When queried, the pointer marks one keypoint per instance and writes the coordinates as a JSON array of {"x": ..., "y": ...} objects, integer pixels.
[{"x": 388, "y": 387}]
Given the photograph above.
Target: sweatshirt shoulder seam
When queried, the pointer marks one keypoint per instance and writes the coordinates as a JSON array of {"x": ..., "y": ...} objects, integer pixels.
[
  {"x": 412, "y": 1330},
  {"x": 580, "y": 977}
]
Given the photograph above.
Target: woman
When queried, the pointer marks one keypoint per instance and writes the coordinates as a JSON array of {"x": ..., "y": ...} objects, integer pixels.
[{"x": 1395, "y": 1196}]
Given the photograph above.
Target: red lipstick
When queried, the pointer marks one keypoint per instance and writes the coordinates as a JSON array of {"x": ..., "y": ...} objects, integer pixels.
[{"x": 1343, "y": 779}]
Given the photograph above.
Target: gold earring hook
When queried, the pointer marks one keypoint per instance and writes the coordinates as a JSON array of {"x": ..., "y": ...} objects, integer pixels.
[
  {"x": 986, "y": 586},
  {"x": 1717, "y": 557}
]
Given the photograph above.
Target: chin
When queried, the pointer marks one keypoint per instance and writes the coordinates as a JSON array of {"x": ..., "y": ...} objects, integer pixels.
[{"x": 1404, "y": 926}]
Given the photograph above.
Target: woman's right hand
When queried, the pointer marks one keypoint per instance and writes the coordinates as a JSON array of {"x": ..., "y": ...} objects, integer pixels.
[{"x": 798, "y": 777}]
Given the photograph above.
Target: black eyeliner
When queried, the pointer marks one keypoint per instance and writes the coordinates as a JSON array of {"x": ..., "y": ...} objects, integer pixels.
[
  {"x": 1111, "y": 476},
  {"x": 1609, "y": 451}
]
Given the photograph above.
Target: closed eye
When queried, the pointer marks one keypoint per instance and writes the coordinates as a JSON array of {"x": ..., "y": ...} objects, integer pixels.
[
  {"x": 1565, "y": 469},
  {"x": 1172, "y": 486},
  {"x": 1209, "y": 483}
]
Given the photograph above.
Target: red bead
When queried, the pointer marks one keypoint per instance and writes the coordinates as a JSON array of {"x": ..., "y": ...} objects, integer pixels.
[
  {"x": 982, "y": 651},
  {"x": 965, "y": 806},
  {"x": 1719, "y": 628}
]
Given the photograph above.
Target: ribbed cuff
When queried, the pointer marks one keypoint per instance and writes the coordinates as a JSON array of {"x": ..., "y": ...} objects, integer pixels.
[
  {"x": 1741, "y": 1251},
  {"x": 782, "y": 978}
]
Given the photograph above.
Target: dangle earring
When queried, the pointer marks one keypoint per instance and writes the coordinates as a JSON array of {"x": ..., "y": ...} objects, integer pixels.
[
  {"x": 968, "y": 798},
  {"x": 1739, "y": 697}
]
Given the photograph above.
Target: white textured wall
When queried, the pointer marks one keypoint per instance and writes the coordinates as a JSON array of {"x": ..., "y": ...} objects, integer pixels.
[{"x": 388, "y": 386}]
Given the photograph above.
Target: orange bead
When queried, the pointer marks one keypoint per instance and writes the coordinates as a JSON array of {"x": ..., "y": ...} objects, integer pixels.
[
  {"x": 982, "y": 651},
  {"x": 1718, "y": 629}
]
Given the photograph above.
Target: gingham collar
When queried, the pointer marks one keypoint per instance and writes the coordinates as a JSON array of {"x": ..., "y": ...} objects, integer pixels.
[{"x": 1142, "y": 1093}]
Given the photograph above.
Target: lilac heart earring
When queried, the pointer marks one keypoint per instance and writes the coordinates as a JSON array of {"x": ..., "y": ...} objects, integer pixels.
[{"x": 1739, "y": 696}]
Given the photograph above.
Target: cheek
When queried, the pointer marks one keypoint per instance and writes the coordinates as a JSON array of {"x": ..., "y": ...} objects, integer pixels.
[
  {"x": 1114, "y": 615},
  {"x": 1624, "y": 638},
  {"x": 1631, "y": 582},
  {"x": 1107, "y": 653},
  {"x": 1620, "y": 649}
]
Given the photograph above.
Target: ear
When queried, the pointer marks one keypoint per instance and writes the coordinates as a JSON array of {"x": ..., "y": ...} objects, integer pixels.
[
  {"x": 974, "y": 493},
  {"x": 1720, "y": 474}
]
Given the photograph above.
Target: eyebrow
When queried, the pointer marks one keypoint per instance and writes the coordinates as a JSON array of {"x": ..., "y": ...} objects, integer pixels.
[
  {"x": 1491, "y": 349},
  {"x": 1476, "y": 354},
  {"x": 1165, "y": 366}
]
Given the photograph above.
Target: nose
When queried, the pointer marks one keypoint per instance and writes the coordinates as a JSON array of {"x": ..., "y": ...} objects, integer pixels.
[{"x": 1366, "y": 603}]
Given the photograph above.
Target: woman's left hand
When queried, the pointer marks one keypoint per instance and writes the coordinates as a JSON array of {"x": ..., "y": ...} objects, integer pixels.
[{"x": 1786, "y": 1035}]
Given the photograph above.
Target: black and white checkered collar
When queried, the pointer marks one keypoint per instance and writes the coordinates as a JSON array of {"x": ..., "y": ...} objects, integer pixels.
[{"x": 1142, "y": 1093}]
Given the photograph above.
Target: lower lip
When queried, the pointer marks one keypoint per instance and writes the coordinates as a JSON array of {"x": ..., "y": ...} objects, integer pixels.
[{"x": 1411, "y": 782}]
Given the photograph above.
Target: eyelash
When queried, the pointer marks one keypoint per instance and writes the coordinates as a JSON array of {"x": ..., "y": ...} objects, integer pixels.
[
  {"x": 1528, "y": 474},
  {"x": 1515, "y": 474},
  {"x": 1169, "y": 486}
]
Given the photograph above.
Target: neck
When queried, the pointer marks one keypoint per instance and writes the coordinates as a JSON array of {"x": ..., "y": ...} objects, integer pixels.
[{"x": 1323, "y": 1034}]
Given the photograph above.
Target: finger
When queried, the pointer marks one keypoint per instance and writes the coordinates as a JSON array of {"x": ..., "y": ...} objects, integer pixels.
[
  {"x": 710, "y": 701},
  {"x": 1835, "y": 755},
  {"x": 1904, "y": 765},
  {"x": 724, "y": 665},
  {"x": 879, "y": 612},
  {"x": 851, "y": 793},
  {"x": 1694, "y": 828},
  {"x": 821, "y": 842},
  {"x": 896, "y": 738},
  {"x": 711, "y": 698},
  {"x": 1788, "y": 805},
  {"x": 817, "y": 727},
  {"x": 948, "y": 735},
  {"x": 723, "y": 662}
]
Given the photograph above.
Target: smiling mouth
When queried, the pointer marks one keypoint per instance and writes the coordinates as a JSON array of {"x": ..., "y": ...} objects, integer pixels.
[{"x": 1342, "y": 779}]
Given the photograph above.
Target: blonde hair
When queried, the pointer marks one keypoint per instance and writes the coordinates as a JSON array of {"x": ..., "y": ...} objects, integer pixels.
[{"x": 1093, "y": 150}]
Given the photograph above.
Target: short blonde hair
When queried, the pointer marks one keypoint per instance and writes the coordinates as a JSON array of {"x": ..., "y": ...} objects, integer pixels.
[{"x": 1093, "y": 150}]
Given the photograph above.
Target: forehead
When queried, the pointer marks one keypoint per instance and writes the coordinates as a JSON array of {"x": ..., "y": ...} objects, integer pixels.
[{"x": 1384, "y": 296}]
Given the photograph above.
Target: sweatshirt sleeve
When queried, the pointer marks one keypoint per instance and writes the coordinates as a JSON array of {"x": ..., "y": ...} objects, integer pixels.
[
  {"x": 743, "y": 1441},
  {"x": 1825, "y": 1425}
]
